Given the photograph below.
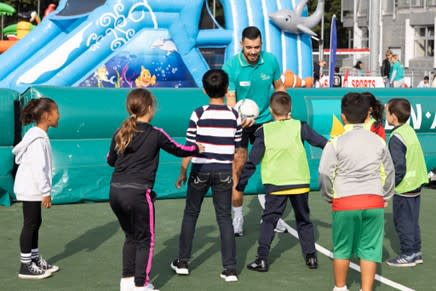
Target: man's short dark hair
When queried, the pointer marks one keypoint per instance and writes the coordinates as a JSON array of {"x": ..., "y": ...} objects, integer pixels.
[
  {"x": 251, "y": 32},
  {"x": 280, "y": 103},
  {"x": 355, "y": 107},
  {"x": 215, "y": 83},
  {"x": 426, "y": 78},
  {"x": 401, "y": 108}
]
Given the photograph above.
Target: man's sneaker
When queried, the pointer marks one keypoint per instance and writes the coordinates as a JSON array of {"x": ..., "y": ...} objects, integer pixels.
[
  {"x": 229, "y": 275},
  {"x": 402, "y": 261},
  {"x": 180, "y": 267},
  {"x": 44, "y": 265},
  {"x": 418, "y": 258},
  {"x": 311, "y": 261},
  {"x": 32, "y": 271},
  {"x": 280, "y": 227},
  {"x": 259, "y": 265},
  {"x": 238, "y": 224}
]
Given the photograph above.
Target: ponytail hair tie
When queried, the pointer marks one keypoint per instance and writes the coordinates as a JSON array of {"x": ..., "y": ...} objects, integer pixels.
[{"x": 133, "y": 116}]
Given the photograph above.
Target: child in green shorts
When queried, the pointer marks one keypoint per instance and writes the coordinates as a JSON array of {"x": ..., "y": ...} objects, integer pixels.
[{"x": 350, "y": 178}]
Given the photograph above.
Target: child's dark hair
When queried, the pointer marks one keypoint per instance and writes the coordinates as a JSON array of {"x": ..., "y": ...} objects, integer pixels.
[
  {"x": 35, "y": 108},
  {"x": 280, "y": 103},
  {"x": 355, "y": 107},
  {"x": 251, "y": 32},
  {"x": 138, "y": 104},
  {"x": 215, "y": 83},
  {"x": 401, "y": 108},
  {"x": 377, "y": 107}
]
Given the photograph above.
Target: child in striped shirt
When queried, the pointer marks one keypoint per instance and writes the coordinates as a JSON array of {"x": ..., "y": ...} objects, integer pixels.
[{"x": 218, "y": 127}]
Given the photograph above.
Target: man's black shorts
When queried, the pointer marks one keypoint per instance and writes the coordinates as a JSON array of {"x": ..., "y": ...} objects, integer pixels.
[{"x": 248, "y": 135}]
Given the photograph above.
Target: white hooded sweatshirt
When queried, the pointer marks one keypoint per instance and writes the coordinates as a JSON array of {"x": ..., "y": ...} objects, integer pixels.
[{"x": 34, "y": 158}]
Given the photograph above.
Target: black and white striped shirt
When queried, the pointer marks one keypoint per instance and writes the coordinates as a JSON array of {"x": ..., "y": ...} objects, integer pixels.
[{"x": 218, "y": 128}]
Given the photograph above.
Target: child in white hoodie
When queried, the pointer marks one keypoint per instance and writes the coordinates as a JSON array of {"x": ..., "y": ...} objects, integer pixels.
[{"x": 33, "y": 183}]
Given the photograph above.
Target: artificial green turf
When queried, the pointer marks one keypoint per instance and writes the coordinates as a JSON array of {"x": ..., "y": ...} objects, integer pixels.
[{"x": 85, "y": 241}]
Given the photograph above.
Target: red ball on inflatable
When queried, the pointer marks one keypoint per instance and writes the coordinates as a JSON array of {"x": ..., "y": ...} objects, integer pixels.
[
  {"x": 289, "y": 79},
  {"x": 294, "y": 81},
  {"x": 309, "y": 82}
]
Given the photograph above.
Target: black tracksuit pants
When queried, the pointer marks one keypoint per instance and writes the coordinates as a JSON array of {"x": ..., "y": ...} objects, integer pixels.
[
  {"x": 134, "y": 209},
  {"x": 275, "y": 206}
]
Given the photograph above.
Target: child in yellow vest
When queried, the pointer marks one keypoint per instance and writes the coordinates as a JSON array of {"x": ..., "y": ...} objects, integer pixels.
[
  {"x": 279, "y": 147},
  {"x": 410, "y": 174}
]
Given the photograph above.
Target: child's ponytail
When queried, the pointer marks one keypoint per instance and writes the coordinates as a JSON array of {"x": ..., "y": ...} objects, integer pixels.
[
  {"x": 125, "y": 134},
  {"x": 377, "y": 108},
  {"x": 35, "y": 108},
  {"x": 139, "y": 102}
]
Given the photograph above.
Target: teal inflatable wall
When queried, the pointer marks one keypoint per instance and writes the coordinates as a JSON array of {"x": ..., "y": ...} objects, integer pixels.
[
  {"x": 89, "y": 117},
  {"x": 7, "y": 136}
]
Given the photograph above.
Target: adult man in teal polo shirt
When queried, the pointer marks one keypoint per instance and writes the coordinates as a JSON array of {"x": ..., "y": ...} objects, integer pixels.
[{"x": 252, "y": 74}]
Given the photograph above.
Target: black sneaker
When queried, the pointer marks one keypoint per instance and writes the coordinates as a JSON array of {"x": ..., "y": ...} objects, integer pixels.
[
  {"x": 312, "y": 261},
  {"x": 229, "y": 275},
  {"x": 45, "y": 266},
  {"x": 32, "y": 271},
  {"x": 258, "y": 265},
  {"x": 180, "y": 267}
]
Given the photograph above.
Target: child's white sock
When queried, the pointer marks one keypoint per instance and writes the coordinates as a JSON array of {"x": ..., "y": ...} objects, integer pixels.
[
  {"x": 25, "y": 258},
  {"x": 237, "y": 211},
  {"x": 35, "y": 253},
  {"x": 127, "y": 284},
  {"x": 340, "y": 288}
]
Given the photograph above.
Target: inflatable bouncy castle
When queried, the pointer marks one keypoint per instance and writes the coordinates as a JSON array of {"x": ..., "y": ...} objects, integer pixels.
[{"x": 147, "y": 43}]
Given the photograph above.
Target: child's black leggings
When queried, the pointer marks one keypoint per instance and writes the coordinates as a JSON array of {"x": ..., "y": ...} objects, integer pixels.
[{"x": 31, "y": 222}]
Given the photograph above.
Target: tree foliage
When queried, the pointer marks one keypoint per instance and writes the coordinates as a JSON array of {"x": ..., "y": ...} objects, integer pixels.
[{"x": 331, "y": 7}]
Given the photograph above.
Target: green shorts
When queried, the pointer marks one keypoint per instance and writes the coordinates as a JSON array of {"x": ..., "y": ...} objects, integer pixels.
[{"x": 358, "y": 232}]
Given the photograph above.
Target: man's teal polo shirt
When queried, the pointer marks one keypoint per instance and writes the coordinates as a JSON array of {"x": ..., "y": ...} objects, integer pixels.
[{"x": 254, "y": 81}]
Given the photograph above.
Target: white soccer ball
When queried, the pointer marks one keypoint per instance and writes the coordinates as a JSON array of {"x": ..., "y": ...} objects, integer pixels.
[{"x": 247, "y": 108}]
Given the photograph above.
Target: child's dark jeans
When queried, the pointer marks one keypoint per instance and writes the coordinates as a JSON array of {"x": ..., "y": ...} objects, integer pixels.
[{"x": 198, "y": 185}]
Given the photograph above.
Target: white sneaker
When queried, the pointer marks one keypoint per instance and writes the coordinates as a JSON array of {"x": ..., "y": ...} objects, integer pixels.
[
  {"x": 341, "y": 288},
  {"x": 280, "y": 227},
  {"x": 149, "y": 287},
  {"x": 238, "y": 224},
  {"x": 127, "y": 284},
  {"x": 229, "y": 275}
]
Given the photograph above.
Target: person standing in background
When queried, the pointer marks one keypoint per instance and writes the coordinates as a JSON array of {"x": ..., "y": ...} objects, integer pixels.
[
  {"x": 424, "y": 83},
  {"x": 397, "y": 72},
  {"x": 359, "y": 70},
  {"x": 386, "y": 68},
  {"x": 317, "y": 73}
]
